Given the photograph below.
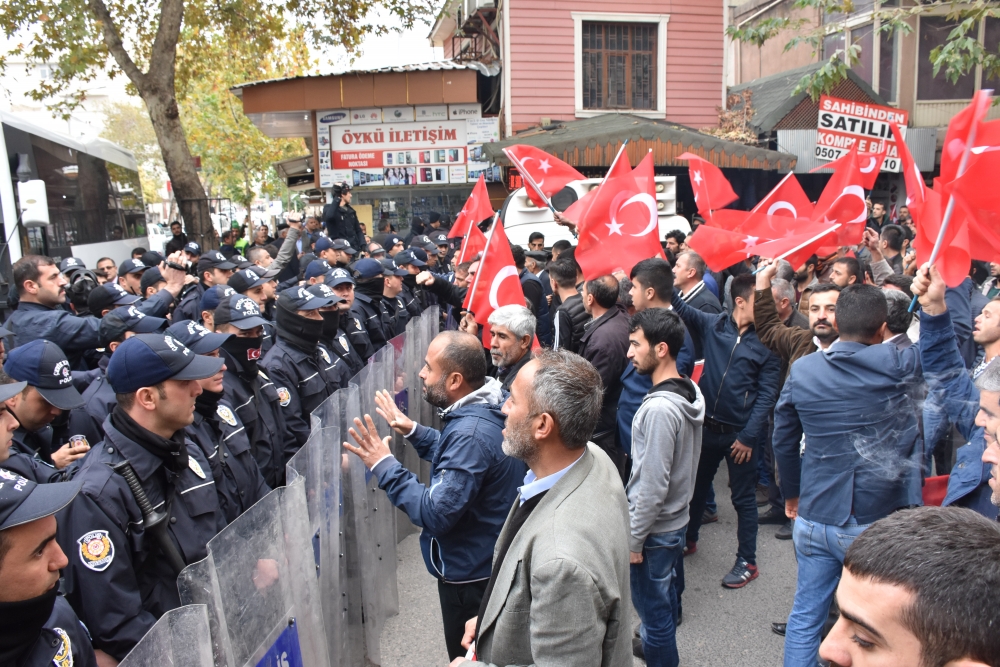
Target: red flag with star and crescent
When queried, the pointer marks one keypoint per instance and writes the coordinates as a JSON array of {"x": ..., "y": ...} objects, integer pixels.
[
  {"x": 621, "y": 225},
  {"x": 869, "y": 164},
  {"x": 474, "y": 241},
  {"x": 548, "y": 172},
  {"x": 843, "y": 201},
  {"x": 477, "y": 208},
  {"x": 712, "y": 190},
  {"x": 782, "y": 212},
  {"x": 722, "y": 248},
  {"x": 496, "y": 283}
]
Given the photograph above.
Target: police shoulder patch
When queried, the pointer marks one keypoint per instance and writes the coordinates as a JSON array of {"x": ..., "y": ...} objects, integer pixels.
[
  {"x": 226, "y": 415},
  {"x": 77, "y": 440},
  {"x": 97, "y": 551},
  {"x": 284, "y": 397},
  {"x": 326, "y": 356},
  {"x": 195, "y": 467},
  {"x": 64, "y": 656}
]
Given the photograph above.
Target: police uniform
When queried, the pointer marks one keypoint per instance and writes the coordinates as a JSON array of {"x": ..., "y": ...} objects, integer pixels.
[
  {"x": 117, "y": 580},
  {"x": 223, "y": 439},
  {"x": 63, "y": 642},
  {"x": 35, "y": 469},
  {"x": 189, "y": 307},
  {"x": 374, "y": 318}
]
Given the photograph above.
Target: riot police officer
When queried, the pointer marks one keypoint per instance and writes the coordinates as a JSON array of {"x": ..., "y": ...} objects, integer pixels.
[
  {"x": 253, "y": 283},
  {"x": 392, "y": 296},
  {"x": 27, "y": 466},
  {"x": 369, "y": 284},
  {"x": 331, "y": 327},
  {"x": 38, "y": 628},
  {"x": 248, "y": 388},
  {"x": 123, "y": 573},
  {"x": 213, "y": 269},
  {"x": 352, "y": 342},
  {"x": 218, "y": 430},
  {"x": 210, "y": 300},
  {"x": 300, "y": 367},
  {"x": 413, "y": 260}
]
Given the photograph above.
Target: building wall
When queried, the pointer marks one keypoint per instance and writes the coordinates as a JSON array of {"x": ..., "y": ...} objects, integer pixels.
[
  {"x": 753, "y": 63},
  {"x": 541, "y": 58}
]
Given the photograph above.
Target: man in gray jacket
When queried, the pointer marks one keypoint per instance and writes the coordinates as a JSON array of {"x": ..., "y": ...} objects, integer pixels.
[
  {"x": 666, "y": 446},
  {"x": 559, "y": 590}
]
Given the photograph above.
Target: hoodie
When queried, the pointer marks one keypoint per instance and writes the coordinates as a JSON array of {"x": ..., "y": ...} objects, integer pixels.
[{"x": 666, "y": 446}]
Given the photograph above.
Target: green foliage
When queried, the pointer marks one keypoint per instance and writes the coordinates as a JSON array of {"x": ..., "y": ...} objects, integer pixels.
[
  {"x": 127, "y": 124},
  {"x": 960, "y": 55}
]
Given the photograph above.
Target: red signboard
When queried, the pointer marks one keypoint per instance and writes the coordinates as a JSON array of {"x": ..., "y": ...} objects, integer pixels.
[{"x": 842, "y": 123}]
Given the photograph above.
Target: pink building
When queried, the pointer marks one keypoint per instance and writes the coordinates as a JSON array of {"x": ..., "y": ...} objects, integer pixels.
[{"x": 571, "y": 59}]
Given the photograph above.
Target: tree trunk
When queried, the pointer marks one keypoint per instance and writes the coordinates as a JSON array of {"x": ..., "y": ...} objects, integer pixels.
[{"x": 188, "y": 190}]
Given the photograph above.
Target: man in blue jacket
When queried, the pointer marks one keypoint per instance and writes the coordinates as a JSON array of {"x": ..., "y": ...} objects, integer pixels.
[
  {"x": 740, "y": 386},
  {"x": 473, "y": 483},
  {"x": 861, "y": 461}
]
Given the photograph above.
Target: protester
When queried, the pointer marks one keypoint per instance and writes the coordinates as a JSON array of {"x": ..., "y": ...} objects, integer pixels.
[
  {"x": 512, "y": 330},
  {"x": 534, "y": 295},
  {"x": 666, "y": 446},
  {"x": 571, "y": 316},
  {"x": 472, "y": 483}
]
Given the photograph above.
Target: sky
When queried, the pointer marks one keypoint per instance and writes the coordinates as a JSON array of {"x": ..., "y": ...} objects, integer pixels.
[{"x": 405, "y": 48}]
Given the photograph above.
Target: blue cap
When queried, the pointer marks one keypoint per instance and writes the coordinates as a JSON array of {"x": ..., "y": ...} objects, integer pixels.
[
  {"x": 323, "y": 243},
  {"x": 316, "y": 268},
  {"x": 71, "y": 264},
  {"x": 323, "y": 291},
  {"x": 338, "y": 276},
  {"x": 197, "y": 338},
  {"x": 146, "y": 360},
  {"x": 240, "y": 311},
  {"x": 299, "y": 298},
  {"x": 131, "y": 266},
  {"x": 390, "y": 268},
  {"x": 214, "y": 295},
  {"x": 129, "y": 318},
  {"x": 108, "y": 295},
  {"x": 391, "y": 240},
  {"x": 411, "y": 256},
  {"x": 246, "y": 279},
  {"x": 23, "y": 501},
  {"x": 240, "y": 261},
  {"x": 367, "y": 268},
  {"x": 345, "y": 245},
  {"x": 192, "y": 248},
  {"x": 43, "y": 365}
]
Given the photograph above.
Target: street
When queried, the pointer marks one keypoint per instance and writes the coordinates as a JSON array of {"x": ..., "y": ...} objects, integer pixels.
[{"x": 720, "y": 628}]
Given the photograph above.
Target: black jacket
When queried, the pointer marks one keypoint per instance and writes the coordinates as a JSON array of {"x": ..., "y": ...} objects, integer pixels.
[
  {"x": 342, "y": 223},
  {"x": 605, "y": 345},
  {"x": 507, "y": 375},
  {"x": 570, "y": 320},
  {"x": 175, "y": 244},
  {"x": 62, "y": 641}
]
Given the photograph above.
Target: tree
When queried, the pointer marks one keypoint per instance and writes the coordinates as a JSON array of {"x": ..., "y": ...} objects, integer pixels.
[
  {"x": 143, "y": 40},
  {"x": 127, "y": 124},
  {"x": 960, "y": 54}
]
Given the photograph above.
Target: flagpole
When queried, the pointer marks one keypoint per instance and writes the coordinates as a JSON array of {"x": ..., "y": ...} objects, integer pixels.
[
  {"x": 794, "y": 250},
  {"x": 950, "y": 209},
  {"x": 527, "y": 177},
  {"x": 489, "y": 237}
]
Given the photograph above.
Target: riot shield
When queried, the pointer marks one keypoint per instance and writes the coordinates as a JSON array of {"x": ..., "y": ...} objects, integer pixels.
[
  {"x": 405, "y": 454},
  {"x": 179, "y": 639},
  {"x": 318, "y": 464},
  {"x": 259, "y": 584}
]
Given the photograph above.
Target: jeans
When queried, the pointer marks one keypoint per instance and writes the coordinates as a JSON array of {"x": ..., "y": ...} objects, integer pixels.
[
  {"x": 819, "y": 549},
  {"x": 710, "y": 505},
  {"x": 715, "y": 447},
  {"x": 459, "y": 603},
  {"x": 654, "y": 584}
]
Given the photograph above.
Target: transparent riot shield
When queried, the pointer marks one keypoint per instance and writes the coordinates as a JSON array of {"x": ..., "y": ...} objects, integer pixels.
[
  {"x": 430, "y": 319},
  {"x": 179, "y": 639},
  {"x": 259, "y": 584},
  {"x": 398, "y": 388},
  {"x": 318, "y": 465},
  {"x": 383, "y": 512}
]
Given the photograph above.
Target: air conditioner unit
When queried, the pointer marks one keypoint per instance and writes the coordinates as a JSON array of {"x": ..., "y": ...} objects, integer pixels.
[{"x": 471, "y": 6}]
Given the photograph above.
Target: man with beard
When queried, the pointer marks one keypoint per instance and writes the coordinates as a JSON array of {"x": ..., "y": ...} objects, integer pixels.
[
  {"x": 666, "y": 445},
  {"x": 986, "y": 333},
  {"x": 559, "y": 589},
  {"x": 301, "y": 367},
  {"x": 988, "y": 418},
  {"x": 249, "y": 389},
  {"x": 512, "y": 330},
  {"x": 472, "y": 483},
  {"x": 177, "y": 239}
]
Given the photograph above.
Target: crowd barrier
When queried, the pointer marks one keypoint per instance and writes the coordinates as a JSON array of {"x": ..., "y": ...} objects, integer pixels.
[{"x": 307, "y": 576}]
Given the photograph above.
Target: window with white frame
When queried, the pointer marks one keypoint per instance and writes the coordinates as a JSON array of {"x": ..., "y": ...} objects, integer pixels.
[
  {"x": 620, "y": 63},
  {"x": 877, "y": 64}
]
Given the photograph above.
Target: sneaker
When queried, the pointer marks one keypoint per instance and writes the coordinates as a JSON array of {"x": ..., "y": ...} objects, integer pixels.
[
  {"x": 741, "y": 574},
  {"x": 762, "y": 498},
  {"x": 709, "y": 517},
  {"x": 779, "y": 628},
  {"x": 637, "y": 648},
  {"x": 690, "y": 548},
  {"x": 785, "y": 532},
  {"x": 773, "y": 516}
]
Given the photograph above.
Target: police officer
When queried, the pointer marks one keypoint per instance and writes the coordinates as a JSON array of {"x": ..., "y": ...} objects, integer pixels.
[
  {"x": 414, "y": 296},
  {"x": 39, "y": 314},
  {"x": 105, "y": 298},
  {"x": 392, "y": 296},
  {"x": 123, "y": 574},
  {"x": 331, "y": 327},
  {"x": 253, "y": 283},
  {"x": 99, "y": 398},
  {"x": 248, "y": 388},
  {"x": 368, "y": 308},
  {"x": 130, "y": 274},
  {"x": 50, "y": 392},
  {"x": 213, "y": 269},
  {"x": 210, "y": 300},
  {"x": 300, "y": 367},
  {"x": 38, "y": 628},
  {"x": 218, "y": 430},
  {"x": 352, "y": 344},
  {"x": 27, "y": 466}
]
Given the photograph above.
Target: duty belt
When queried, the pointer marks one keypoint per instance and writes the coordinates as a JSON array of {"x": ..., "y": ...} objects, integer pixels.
[{"x": 718, "y": 427}]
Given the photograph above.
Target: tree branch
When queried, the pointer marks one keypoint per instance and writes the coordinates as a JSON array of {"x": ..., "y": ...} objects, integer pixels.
[
  {"x": 115, "y": 45},
  {"x": 164, "y": 52}
]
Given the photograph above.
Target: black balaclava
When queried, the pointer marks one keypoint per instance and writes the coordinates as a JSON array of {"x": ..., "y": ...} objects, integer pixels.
[
  {"x": 331, "y": 323},
  {"x": 410, "y": 280},
  {"x": 301, "y": 332},
  {"x": 207, "y": 403},
  {"x": 246, "y": 351},
  {"x": 372, "y": 288},
  {"x": 23, "y": 623}
]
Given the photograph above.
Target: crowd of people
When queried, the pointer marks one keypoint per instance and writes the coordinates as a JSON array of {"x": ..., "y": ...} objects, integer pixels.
[{"x": 582, "y": 435}]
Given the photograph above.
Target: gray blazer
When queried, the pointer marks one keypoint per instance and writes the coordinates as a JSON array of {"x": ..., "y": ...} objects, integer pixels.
[{"x": 562, "y": 594}]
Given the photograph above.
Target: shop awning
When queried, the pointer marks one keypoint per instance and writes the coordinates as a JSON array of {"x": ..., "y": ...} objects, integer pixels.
[{"x": 594, "y": 142}]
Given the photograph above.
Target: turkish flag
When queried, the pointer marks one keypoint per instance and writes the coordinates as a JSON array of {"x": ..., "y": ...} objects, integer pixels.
[
  {"x": 954, "y": 258},
  {"x": 916, "y": 189},
  {"x": 477, "y": 208},
  {"x": 619, "y": 168},
  {"x": 964, "y": 126},
  {"x": 474, "y": 241},
  {"x": 711, "y": 189},
  {"x": 869, "y": 164},
  {"x": 620, "y": 227},
  {"x": 782, "y": 212},
  {"x": 843, "y": 201},
  {"x": 548, "y": 172},
  {"x": 496, "y": 283},
  {"x": 721, "y": 248}
]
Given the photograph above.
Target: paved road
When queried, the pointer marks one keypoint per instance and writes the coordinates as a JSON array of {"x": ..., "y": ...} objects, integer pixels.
[{"x": 721, "y": 628}]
